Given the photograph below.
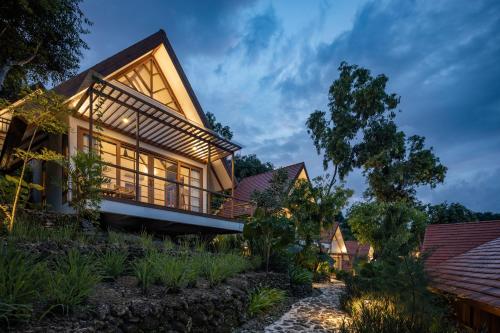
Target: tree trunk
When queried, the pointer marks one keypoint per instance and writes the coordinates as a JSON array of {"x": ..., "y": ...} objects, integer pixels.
[{"x": 4, "y": 70}]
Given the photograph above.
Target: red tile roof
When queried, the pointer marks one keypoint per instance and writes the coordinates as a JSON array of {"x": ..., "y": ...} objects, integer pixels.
[
  {"x": 247, "y": 186},
  {"x": 77, "y": 83},
  {"x": 445, "y": 241},
  {"x": 354, "y": 249},
  {"x": 473, "y": 275}
]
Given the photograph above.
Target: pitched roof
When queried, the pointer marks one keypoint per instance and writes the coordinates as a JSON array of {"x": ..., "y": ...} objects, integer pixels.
[
  {"x": 473, "y": 275},
  {"x": 247, "y": 186},
  {"x": 77, "y": 83},
  {"x": 445, "y": 241},
  {"x": 357, "y": 250},
  {"x": 326, "y": 236}
]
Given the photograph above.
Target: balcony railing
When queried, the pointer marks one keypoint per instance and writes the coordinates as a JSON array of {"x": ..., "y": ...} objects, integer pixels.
[{"x": 172, "y": 194}]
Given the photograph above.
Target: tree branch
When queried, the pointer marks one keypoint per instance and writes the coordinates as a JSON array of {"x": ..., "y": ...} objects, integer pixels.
[{"x": 30, "y": 58}]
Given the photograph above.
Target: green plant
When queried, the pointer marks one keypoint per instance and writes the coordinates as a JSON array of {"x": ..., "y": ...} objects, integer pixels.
[
  {"x": 168, "y": 244},
  {"x": 112, "y": 264},
  {"x": 300, "y": 276},
  {"x": 44, "y": 111},
  {"x": 21, "y": 278},
  {"x": 27, "y": 228},
  {"x": 85, "y": 171},
  {"x": 263, "y": 299},
  {"x": 218, "y": 268},
  {"x": 171, "y": 271},
  {"x": 71, "y": 282},
  {"x": 144, "y": 270},
  {"x": 146, "y": 241}
]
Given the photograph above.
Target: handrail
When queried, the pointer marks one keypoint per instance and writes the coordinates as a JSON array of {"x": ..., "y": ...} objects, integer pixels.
[{"x": 242, "y": 206}]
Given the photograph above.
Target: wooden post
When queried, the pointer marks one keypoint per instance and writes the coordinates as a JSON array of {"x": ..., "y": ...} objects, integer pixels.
[
  {"x": 91, "y": 118},
  {"x": 137, "y": 187},
  {"x": 232, "y": 185},
  {"x": 209, "y": 169}
]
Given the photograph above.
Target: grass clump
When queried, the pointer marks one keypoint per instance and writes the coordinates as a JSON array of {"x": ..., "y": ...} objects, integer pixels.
[
  {"x": 30, "y": 230},
  {"x": 146, "y": 241},
  {"x": 145, "y": 272},
  {"x": 20, "y": 281},
  {"x": 112, "y": 264},
  {"x": 220, "y": 267},
  {"x": 300, "y": 276},
  {"x": 71, "y": 282},
  {"x": 263, "y": 299},
  {"x": 117, "y": 238}
]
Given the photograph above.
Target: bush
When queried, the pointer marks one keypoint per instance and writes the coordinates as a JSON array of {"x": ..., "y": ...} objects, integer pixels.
[
  {"x": 300, "y": 276},
  {"x": 71, "y": 282},
  {"x": 220, "y": 267},
  {"x": 112, "y": 264},
  {"x": 263, "y": 299},
  {"x": 20, "y": 281},
  {"x": 173, "y": 272}
]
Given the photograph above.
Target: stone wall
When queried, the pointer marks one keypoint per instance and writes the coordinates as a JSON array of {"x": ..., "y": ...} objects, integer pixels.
[{"x": 119, "y": 307}]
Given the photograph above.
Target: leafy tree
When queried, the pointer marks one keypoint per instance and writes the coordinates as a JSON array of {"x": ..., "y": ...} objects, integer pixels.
[
  {"x": 250, "y": 165},
  {"x": 41, "y": 40},
  {"x": 344, "y": 227},
  {"x": 43, "y": 111},
  {"x": 359, "y": 131},
  {"x": 217, "y": 127},
  {"x": 269, "y": 228},
  {"x": 487, "y": 216},
  {"x": 85, "y": 170},
  {"x": 450, "y": 213},
  {"x": 391, "y": 228}
]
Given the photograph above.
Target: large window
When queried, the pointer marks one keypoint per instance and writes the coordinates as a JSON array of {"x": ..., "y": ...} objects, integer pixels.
[{"x": 162, "y": 181}]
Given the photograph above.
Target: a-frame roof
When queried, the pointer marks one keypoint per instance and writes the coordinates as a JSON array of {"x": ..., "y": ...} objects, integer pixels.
[
  {"x": 247, "y": 186},
  {"x": 127, "y": 56}
]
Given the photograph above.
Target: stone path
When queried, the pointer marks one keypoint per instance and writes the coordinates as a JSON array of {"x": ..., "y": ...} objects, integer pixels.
[{"x": 313, "y": 314}]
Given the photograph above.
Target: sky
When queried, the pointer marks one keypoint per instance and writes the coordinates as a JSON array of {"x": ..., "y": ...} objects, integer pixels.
[{"x": 263, "y": 66}]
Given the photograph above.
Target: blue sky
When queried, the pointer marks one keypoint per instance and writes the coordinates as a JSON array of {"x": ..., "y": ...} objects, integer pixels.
[{"x": 263, "y": 66}]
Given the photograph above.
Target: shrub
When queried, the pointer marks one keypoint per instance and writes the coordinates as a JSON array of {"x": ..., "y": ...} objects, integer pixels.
[
  {"x": 144, "y": 270},
  {"x": 263, "y": 299},
  {"x": 255, "y": 262},
  {"x": 116, "y": 238},
  {"x": 29, "y": 229},
  {"x": 146, "y": 241},
  {"x": 71, "y": 282},
  {"x": 112, "y": 264},
  {"x": 220, "y": 267},
  {"x": 168, "y": 244},
  {"x": 172, "y": 272},
  {"x": 20, "y": 281},
  {"x": 300, "y": 276}
]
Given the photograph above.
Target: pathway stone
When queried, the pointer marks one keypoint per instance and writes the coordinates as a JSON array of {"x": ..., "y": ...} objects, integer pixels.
[{"x": 313, "y": 314}]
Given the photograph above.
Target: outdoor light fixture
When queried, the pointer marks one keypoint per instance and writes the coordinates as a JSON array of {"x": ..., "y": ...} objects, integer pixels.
[{"x": 125, "y": 120}]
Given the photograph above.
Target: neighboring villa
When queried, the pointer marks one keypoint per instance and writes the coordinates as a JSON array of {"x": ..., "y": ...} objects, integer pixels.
[
  {"x": 332, "y": 242},
  {"x": 168, "y": 170},
  {"x": 463, "y": 259},
  {"x": 357, "y": 252}
]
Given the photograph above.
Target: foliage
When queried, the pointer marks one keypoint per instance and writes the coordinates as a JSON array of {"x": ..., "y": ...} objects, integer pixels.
[
  {"x": 389, "y": 227},
  {"x": 112, "y": 264},
  {"x": 220, "y": 267},
  {"x": 72, "y": 281},
  {"x": 21, "y": 278},
  {"x": 300, "y": 276},
  {"x": 85, "y": 170},
  {"x": 359, "y": 131},
  {"x": 171, "y": 271},
  {"x": 144, "y": 270},
  {"x": 117, "y": 238},
  {"x": 146, "y": 241},
  {"x": 263, "y": 299},
  {"x": 250, "y": 165},
  {"x": 224, "y": 131},
  {"x": 455, "y": 213},
  {"x": 41, "y": 40},
  {"x": 44, "y": 111},
  {"x": 227, "y": 243}
]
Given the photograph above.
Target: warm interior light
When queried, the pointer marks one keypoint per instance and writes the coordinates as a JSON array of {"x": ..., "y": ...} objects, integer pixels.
[{"x": 125, "y": 120}]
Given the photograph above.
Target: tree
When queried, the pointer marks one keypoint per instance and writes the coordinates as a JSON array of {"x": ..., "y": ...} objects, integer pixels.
[
  {"x": 41, "y": 40},
  {"x": 391, "y": 228},
  {"x": 85, "y": 170},
  {"x": 269, "y": 229},
  {"x": 359, "y": 131},
  {"x": 43, "y": 111},
  {"x": 456, "y": 213},
  {"x": 224, "y": 131},
  {"x": 250, "y": 165}
]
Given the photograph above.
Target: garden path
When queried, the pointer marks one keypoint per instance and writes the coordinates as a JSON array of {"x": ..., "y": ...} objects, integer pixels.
[{"x": 313, "y": 314}]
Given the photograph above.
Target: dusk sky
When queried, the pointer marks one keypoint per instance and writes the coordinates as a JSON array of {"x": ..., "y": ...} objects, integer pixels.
[{"x": 262, "y": 67}]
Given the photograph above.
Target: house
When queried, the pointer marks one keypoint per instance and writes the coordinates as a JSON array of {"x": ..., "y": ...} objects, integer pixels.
[
  {"x": 168, "y": 170},
  {"x": 258, "y": 183},
  {"x": 332, "y": 242},
  {"x": 357, "y": 251},
  {"x": 463, "y": 259}
]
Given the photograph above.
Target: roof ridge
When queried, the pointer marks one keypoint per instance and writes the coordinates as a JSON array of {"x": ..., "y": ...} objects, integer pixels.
[
  {"x": 443, "y": 225},
  {"x": 273, "y": 170}
]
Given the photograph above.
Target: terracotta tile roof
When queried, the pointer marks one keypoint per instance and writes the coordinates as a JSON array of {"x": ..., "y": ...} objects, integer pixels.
[
  {"x": 326, "y": 236},
  {"x": 473, "y": 275},
  {"x": 445, "y": 241},
  {"x": 354, "y": 249},
  {"x": 77, "y": 83},
  {"x": 247, "y": 186}
]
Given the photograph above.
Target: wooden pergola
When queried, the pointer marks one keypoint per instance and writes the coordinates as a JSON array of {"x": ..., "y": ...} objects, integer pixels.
[{"x": 117, "y": 107}]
